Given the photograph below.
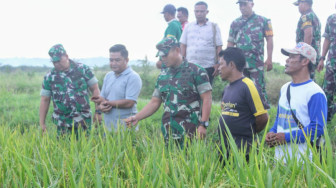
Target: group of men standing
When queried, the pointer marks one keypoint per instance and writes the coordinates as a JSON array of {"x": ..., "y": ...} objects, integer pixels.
[{"x": 191, "y": 56}]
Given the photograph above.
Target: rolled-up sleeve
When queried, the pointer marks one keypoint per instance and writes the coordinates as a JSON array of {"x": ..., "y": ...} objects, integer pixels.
[
  {"x": 46, "y": 87},
  {"x": 156, "y": 93}
]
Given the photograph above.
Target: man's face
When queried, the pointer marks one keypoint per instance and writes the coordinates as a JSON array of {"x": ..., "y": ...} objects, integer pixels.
[
  {"x": 181, "y": 17},
  {"x": 246, "y": 8},
  {"x": 117, "y": 62},
  {"x": 63, "y": 64},
  {"x": 224, "y": 69},
  {"x": 166, "y": 16},
  {"x": 200, "y": 13},
  {"x": 293, "y": 64},
  {"x": 171, "y": 58},
  {"x": 303, "y": 7}
]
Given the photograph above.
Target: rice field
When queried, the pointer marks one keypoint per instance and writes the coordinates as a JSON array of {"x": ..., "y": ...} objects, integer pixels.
[{"x": 132, "y": 158}]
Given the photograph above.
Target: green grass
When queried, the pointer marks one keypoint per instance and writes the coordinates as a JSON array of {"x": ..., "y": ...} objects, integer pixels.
[
  {"x": 136, "y": 159},
  {"x": 141, "y": 159}
]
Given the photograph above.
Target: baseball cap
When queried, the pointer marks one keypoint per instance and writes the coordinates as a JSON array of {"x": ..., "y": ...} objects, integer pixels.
[
  {"x": 243, "y": 1},
  {"x": 56, "y": 52},
  {"x": 303, "y": 49},
  {"x": 169, "y": 8},
  {"x": 164, "y": 45},
  {"x": 298, "y": 2}
]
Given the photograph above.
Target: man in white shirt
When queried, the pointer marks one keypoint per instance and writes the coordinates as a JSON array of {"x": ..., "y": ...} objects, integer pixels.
[{"x": 201, "y": 41}]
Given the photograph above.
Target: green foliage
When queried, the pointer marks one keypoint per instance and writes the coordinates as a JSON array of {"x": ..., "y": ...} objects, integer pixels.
[
  {"x": 100, "y": 73},
  {"x": 148, "y": 74},
  {"x": 217, "y": 88},
  {"x": 139, "y": 158},
  {"x": 275, "y": 79},
  {"x": 319, "y": 77}
]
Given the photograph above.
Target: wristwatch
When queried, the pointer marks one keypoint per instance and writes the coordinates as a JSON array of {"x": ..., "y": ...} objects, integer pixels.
[
  {"x": 98, "y": 112},
  {"x": 204, "y": 123},
  {"x": 322, "y": 58}
]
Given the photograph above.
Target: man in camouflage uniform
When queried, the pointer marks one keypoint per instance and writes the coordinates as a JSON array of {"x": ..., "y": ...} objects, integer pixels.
[
  {"x": 309, "y": 28},
  {"x": 185, "y": 91},
  {"x": 67, "y": 84},
  {"x": 247, "y": 33},
  {"x": 329, "y": 44}
]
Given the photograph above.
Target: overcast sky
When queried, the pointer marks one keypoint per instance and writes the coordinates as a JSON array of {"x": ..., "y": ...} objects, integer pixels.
[{"x": 87, "y": 28}]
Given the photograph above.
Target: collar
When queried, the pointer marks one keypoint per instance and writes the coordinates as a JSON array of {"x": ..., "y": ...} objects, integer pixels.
[
  {"x": 248, "y": 17},
  {"x": 206, "y": 22},
  {"x": 238, "y": 80},
  {"x": 126, "y": 71},
  {"x": 302, "y": 83},
  {"x": 172, "y": 20},
  {"x": 183, "y": 65},
  {"x": 308, "y": 12}
]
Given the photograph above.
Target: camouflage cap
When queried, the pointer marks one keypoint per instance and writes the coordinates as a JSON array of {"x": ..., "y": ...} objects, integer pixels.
[
  {"x": 244, "y": 1},
  {"x": 299, "y": 1},
  {"x": 303, "y": 49},
  {"x": 56, "y": 52},
  {"x": 164, "y": 45}
]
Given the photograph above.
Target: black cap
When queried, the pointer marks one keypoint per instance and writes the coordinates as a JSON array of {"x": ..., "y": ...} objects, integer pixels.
[
  {"x": 169, "y": 9},
  {"x": 243, "y": 1},
  {"x": 307, "y": 1}
]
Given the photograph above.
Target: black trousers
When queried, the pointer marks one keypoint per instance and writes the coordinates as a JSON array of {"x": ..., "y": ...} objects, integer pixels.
[{"x": 210, "y": 71}]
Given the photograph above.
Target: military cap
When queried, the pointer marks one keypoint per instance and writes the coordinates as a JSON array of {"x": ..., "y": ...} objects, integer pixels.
[
  {"x": 299, "y": 1},
  {"x": 169, "y": 8},
  {"x": 244, "y": 1},
  {"x": 303, "y": 49},
  {"x": 164, "y": 45},
  {"x": 56, "y": 52}
]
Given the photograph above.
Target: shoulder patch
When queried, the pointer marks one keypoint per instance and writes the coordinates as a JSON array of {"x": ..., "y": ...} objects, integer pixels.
[{"x": 269, "y": 31}]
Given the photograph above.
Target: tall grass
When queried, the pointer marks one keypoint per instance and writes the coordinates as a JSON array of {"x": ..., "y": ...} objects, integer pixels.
[{"x": 137, "y": 159}]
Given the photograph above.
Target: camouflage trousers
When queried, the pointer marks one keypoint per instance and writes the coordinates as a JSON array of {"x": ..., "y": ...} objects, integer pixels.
[
  {"x": 84, "y": 125},
  {"x": 329, "y": 86},
  {"x": 312, "y": 72},
  {"x": 178, "y": 133},
  {"x": 257, "y": 76}
]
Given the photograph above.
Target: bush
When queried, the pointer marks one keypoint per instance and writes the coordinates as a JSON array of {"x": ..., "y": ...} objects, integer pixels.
[
  {"x": 148, "y": 74},
  {"x": 275, "y": 79}
]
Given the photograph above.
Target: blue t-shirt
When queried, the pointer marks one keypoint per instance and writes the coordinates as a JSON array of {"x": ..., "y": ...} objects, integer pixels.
[
  {"x": 127, "y": 85},
  {"x": 309, "y": 104}
]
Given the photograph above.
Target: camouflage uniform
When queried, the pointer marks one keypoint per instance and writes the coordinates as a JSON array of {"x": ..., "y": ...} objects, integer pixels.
[
  {"x": 310, "y": 20},
  {"x": 250, "y": 38},
  {"x": 69, "y": 92},
  {"x": 329, "y": 85},
  {"x": 180, "y": 91}
]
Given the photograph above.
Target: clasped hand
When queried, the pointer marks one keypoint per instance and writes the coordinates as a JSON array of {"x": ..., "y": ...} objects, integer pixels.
[{"x": 273, "y": 139}]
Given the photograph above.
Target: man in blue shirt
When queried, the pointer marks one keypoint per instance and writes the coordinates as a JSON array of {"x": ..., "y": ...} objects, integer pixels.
[
  {"x": 302, "y": 107},
  {"x": 120, "y": 91}
]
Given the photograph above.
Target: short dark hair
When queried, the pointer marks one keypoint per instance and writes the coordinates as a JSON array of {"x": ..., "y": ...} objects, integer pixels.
[
  {"x": 183, "y": 10},
  {"x": 235, "y": 55},
  {"x": 202, "y": 3},
  {"x": 119, "y": 48},
  {"x": 310, "y": 65}
]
